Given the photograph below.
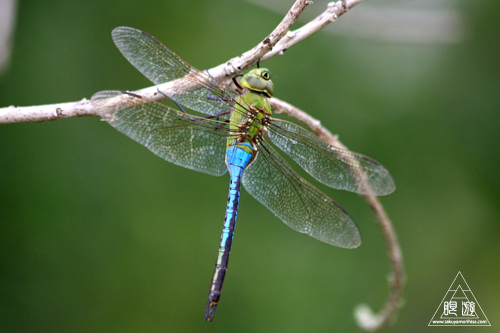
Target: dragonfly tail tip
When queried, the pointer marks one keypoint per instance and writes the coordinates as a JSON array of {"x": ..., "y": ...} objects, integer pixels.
[{"x": 210, "y": 311}]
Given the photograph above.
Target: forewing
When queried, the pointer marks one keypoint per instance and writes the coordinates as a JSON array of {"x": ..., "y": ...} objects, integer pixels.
[
  {"x": 334, "y": 167},
  {"x": 192, "y": 142},
  {"x": 158, "y": 63},
  {"x": 302, "y": 207}
]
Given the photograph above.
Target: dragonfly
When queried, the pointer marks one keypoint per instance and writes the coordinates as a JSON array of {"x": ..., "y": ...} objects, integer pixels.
[{"x": 238, "y": 133}]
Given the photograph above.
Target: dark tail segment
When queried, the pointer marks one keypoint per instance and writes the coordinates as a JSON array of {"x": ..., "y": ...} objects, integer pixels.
[{"x": 225, "y": 241}]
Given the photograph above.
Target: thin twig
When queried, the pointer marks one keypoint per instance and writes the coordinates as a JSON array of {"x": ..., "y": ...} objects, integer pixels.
[
  {"x": 281, "y": 39},
  {"x": 39, "y": 113},
  {"x": 271, "y": 44},
  {"x": 333, "y": 11},
  {"x": 84, "y": 108},
  {"x": 364, "y": 315}
]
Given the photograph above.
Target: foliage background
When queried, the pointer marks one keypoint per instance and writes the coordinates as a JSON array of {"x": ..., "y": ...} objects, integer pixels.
[{"x": 98, "y": 234}]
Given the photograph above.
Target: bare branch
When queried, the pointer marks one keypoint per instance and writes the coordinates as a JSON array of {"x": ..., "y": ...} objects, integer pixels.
[
  {"x": 365, "y": 317},
  {"x": 274, "y": 44},
  {"x": 249, "y": 58},
  {"x": 41, "y": 113},
  {"x": 330, "y": 15}
]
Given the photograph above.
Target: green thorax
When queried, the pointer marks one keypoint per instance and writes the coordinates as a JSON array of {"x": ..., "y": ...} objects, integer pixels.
[{"x": 252, "y": 110}]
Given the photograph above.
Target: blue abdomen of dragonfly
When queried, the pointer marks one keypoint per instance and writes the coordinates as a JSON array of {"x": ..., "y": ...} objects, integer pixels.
[{"x": 237, "y": 157}]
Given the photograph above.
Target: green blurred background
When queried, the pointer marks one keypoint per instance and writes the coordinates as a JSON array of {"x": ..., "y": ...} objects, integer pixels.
[{"x": 98, "y": 234}]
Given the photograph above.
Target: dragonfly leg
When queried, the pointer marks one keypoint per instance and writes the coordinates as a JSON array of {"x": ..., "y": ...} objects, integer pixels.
[
  {"x": 184, "y": 111},
  {"x": 209, "y": 90},
  {"x": 173, "y": 99}
]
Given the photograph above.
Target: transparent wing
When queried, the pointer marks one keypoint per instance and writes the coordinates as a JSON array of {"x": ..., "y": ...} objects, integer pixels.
[
  {"x": 159, "y": 64},
  {"x": 334, "y": 167},
  {"x": 192, "y": 142},
  {"x": 302, "y": 207}
]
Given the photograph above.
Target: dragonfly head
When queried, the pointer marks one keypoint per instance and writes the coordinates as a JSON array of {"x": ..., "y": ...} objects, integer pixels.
[{"x": 258, "y": 80}]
